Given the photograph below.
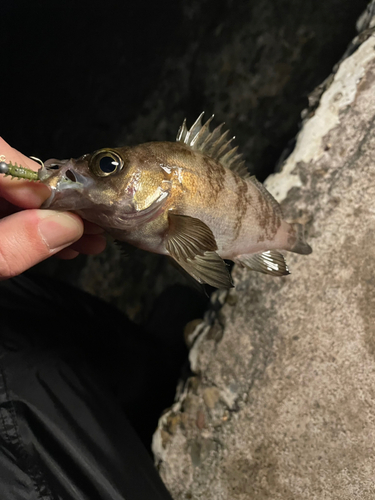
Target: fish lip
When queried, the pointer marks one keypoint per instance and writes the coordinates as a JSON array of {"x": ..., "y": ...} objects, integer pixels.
[
  {"x": 63, "y": 183},
  {"x": 48, "y": 202},
  {"x": 45, "y": 171},
  {"x": 60, "y": 187}
]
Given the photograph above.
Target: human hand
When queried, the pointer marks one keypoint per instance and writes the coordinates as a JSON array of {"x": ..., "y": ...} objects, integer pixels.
[{"x": 29, "y": 236}]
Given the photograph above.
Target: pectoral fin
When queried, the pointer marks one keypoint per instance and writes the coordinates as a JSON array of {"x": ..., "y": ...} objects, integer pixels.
[
  {"x": 270, "y": 262},
  {"x": 193, "y": 246}
]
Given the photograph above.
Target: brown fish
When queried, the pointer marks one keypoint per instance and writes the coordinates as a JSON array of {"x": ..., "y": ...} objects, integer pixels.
[{"x": 192, "y": 199}]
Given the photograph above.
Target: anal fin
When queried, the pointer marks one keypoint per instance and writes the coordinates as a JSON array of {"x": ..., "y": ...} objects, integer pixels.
[{"x": 269, "y": 262}]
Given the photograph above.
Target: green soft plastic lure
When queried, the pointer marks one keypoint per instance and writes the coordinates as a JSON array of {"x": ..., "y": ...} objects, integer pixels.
[{"x": 18, "y": 172}]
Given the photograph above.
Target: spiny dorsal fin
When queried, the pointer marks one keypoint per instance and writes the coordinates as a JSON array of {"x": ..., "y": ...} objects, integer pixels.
[
  {"x": 275, "y": 204},
  {"x": 214, "y": 144}
]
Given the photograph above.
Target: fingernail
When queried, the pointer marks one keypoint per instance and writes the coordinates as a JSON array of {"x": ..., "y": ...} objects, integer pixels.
[{"x": 59, "y": 229}]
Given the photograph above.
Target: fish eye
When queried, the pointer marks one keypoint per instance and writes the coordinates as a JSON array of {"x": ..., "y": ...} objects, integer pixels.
[
  {"x": 108, "y": 165},
  {"x": 105, "y": 162}
]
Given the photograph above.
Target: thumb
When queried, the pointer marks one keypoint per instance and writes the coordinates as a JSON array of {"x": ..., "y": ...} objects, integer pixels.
[{"x": 30, "y": 236}]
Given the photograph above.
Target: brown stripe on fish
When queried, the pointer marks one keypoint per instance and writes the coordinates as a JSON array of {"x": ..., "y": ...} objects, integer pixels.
[
  {"x": 262, "y": 213},
  {"x": 215, "y": 176},
  {"x": 243, "y": 200},
  {"x": 276, "y": 222},
  {"x": 268, "y": 219}
]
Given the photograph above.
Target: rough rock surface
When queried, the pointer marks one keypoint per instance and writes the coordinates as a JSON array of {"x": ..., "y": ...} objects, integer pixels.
[{"x": 282, "y": 404}]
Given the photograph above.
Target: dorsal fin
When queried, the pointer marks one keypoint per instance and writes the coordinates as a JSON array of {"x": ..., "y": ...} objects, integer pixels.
[
  {"x": 275, "y": 204},
  {"x": 214, "y": 144}
]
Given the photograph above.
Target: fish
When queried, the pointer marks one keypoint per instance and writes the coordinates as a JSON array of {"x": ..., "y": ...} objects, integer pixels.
[{"x": 192, "y": 199}]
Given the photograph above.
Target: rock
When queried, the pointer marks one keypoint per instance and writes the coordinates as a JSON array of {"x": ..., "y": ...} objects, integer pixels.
[{"x": 283, "y": 400}]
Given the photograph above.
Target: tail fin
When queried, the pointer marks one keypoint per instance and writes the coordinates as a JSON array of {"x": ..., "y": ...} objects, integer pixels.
[{"x": 300, "y": 246}]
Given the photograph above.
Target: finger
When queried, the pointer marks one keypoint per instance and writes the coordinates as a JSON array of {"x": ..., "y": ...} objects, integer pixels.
[
  {"x": 30, "y": 236},
  {"x": 24, "y": 194},
  {"x": 67, "y": 254},
  {"x": 13, "y": 155},
  {"x": 21, "y": 192},
  {"x": 90, "y": 244}
]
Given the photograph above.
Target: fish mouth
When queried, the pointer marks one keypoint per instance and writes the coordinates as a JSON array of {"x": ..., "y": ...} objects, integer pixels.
[{"x": 65, "y": 182}]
